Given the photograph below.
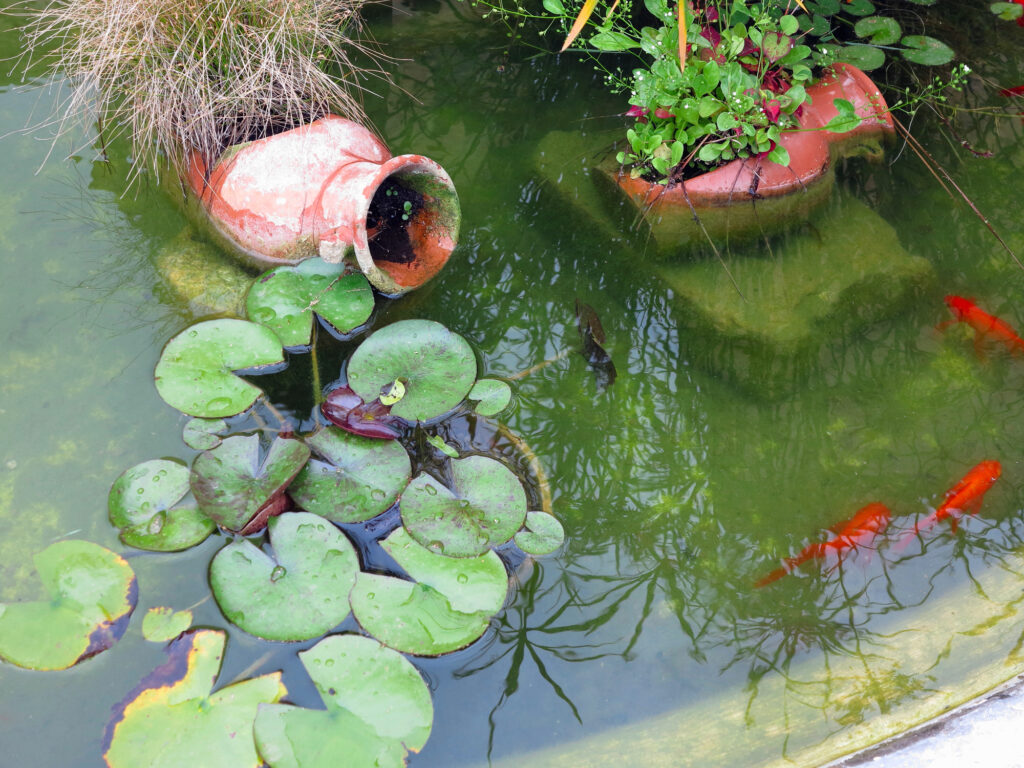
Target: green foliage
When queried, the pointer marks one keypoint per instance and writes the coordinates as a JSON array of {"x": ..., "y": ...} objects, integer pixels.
[{"x": 161, "y": 624}]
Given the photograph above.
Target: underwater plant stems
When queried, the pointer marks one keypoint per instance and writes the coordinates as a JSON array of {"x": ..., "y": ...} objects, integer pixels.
[
  {"x": 543, "y": 364},
  {"x": 535, "y": 466},
  {"x": 317, "y": 388}
]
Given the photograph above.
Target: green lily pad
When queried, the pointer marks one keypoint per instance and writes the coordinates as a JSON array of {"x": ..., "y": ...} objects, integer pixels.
[
  {"x": 172, "y": 718},
  {"x": 142, "y": 504},
  {"x": 358, "y": 478},
  {"x": 485, "y": 508},
  {"x": 413, "y": 618},
  {"x": 299, "y": 593},
  {"x": 922, "y": 49},
  {"x": 285, "y": 299},
  {"x": 438, "y": 442},
  {"x": 1007, "y": 11},
  {"x": 859, "y": 7},
  {"x": 541, "y": 535},
  {"x": 203, "y": 434},
  {"x": 92, "y": 595},
  {"x": 880, "y": 30},
  {"x": 436, "y": 366},
  {"x": 492, "y": 396},
  {"x": 377, "y": 708},
  {"x": 161, "y": 624},
  {"x": 232, "y": 485},
  {"x": 865, "y": 57},
  {"x": 195, "y": 373}
]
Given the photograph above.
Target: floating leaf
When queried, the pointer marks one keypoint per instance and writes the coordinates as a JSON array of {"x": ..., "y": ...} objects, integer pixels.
[
  {"x": 285, "y": 299},
  {"x": 492, "y": 396},
  {"x": 202, "y": 434},
  {"x": 172, "y": 718},
  {"x": 161, "y": 624},
  {"x": 865, "y": 57},
  {"x": 859, "y": 7},
  {"x": 297, "y": 594},
  {"x": 377, "y": 708},
  {"x": 880, "y": 30},
  {"x": 92, "y": 595},
  {"x": 142, "y": 504},
  {"x": 485, "y": 508},
  {"x": 358, "y": 478},
  {"x": 437, "y": 366},
  {"x": 195, "y": 373},
  {"x": 541, "y": 535},
  {"x": 1007, "y": 11},
  {"x": 233, "y": 486},
  {"x": 442, "y": 446},
  {"x": 344, "y": 408},
  {"x": 922, "y": 49}
]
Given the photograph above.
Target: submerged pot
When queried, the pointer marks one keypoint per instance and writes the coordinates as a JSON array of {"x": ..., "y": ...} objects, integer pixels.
[
  {"x": 329, "y": 189},
  {"x": 751, "y": 195}
]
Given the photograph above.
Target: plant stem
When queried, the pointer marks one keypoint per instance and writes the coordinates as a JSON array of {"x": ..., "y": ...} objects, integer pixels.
[{"x": 543, "y": 486}]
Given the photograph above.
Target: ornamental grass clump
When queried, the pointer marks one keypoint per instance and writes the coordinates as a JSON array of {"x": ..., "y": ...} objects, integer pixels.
[{"x": 205, "y": 74}]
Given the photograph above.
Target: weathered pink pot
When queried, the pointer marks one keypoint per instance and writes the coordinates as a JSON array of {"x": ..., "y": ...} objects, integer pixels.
[
  {"x": 754, "y": 194},
  {"x": 308, "y": 192}
]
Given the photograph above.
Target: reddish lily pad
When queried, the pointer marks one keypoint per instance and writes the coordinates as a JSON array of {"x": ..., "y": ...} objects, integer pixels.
[
  {"x": 436, "y": 366},
  {"x": 357, "y": 479},
  {"x": 484, "y": 509},
  {"x": 344, "y": 408},
  {"x": 144, "y": 504},
  {"x": 492, "y": 396},
  {"x": 173, "y": 718},
  {"x": 92, "y": 595},
  {"x": 285, "y": 299},
  {"x": 377, "y": 709},
  {"x": 299, "y": 593},
  {"x": 233, "y": 486},
  {"x": 195, "y": 373},
  {"x": 541, "y": 535},
  {"x": 161, "y": 624}
]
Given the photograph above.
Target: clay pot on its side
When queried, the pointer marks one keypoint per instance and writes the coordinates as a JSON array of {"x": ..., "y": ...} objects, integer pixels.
[
  {"x": 753, "y": 195},
  {"x": 328, "y": 189}
]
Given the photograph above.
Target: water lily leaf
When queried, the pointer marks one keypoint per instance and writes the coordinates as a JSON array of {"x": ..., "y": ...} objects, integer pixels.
[
  {"x": 297, "y": 594},
  {"x": 859, "y": 7},
  {"x": 541, "y": 535},
  {"x": 92, "y": 595},
  {"x": 485, "y": 508},
  {"x": 1006, "y": 11},
  {"x": 413, "y": 618},
  {"x": 285, "y": 299},
  {"x": 203, "y": 434},
  {"x": 357, "y": 478},
  {"x": 161, "y": 624},
  {"x": 442, "y": 446},
  {"x": 377, "y": 707},
  {"x": 922, "y": 49},
  {"x": 195, "y": 373},
  {"x": 173, "y": 719},
  {"x": 233, "y": 486},
  {"x": 437, "y": 367},
  {"x": 880, "y": 30},
  {"x": 344, "y": 408},
  {"x": 142, "y": 504},
  {"x": 470, "y": 584},
  {"x": 492, "y": 396},
  {"x": 864, "y": 57}
]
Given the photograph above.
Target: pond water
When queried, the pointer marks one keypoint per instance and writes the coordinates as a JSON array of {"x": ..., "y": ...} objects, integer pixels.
[{"x": 644, "y": 641}]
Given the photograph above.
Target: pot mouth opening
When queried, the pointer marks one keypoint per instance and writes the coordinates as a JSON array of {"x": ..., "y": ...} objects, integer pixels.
[{"x": 411, "y": 223}]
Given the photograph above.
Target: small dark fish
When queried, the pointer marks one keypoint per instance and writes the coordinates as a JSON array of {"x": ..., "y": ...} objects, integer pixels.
[{"x": 592, "y": 336}]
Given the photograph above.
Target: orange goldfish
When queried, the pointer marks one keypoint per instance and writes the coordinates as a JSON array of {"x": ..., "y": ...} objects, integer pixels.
[
  {"x": 859, "y": 531},
  {"x": 984, "y": 324},
  {"x": 965, "y": 496}
]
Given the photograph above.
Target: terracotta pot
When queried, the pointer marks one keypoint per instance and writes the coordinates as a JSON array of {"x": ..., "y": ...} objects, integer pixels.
[
  {"x": 750, "y": 196},
  {"x": 310, "y": 192}
]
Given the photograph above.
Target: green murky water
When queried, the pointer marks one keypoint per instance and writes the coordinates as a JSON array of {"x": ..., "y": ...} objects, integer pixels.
[{"x": 644, "y": 642}]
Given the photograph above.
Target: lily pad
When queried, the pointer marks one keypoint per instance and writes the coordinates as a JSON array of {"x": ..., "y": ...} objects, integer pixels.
[
  {"x": 357, "y": 479},
  {"x": 491, "y": 395},
  {"x": 436, "y": 366},
  {"x": 285, "y": 299},
  {"x": 922, "y": 49},
  {"x": 203, "y": 434},
  {"x": 438, "y": 442},
  {"x": 161, "y": 624},
  {"x": 484, "y": 509},
  {"x": 92, "y": 595},
  {"x": 344, "y": 408},
  {"x": 142, "y": 504},
  {"x": 865, "y": 57},
  {"x": 541, "y": 535},
  {"x": 880, "y": 30},
  {"x": 173, "y": 719},
  {"x": 195, "y": 373},
  {"x": 233, "y": 486},
  {"x": 377, "y": 708},
  {"x": 859, "y": 7},
  {"x": 299, "y": 593}
]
